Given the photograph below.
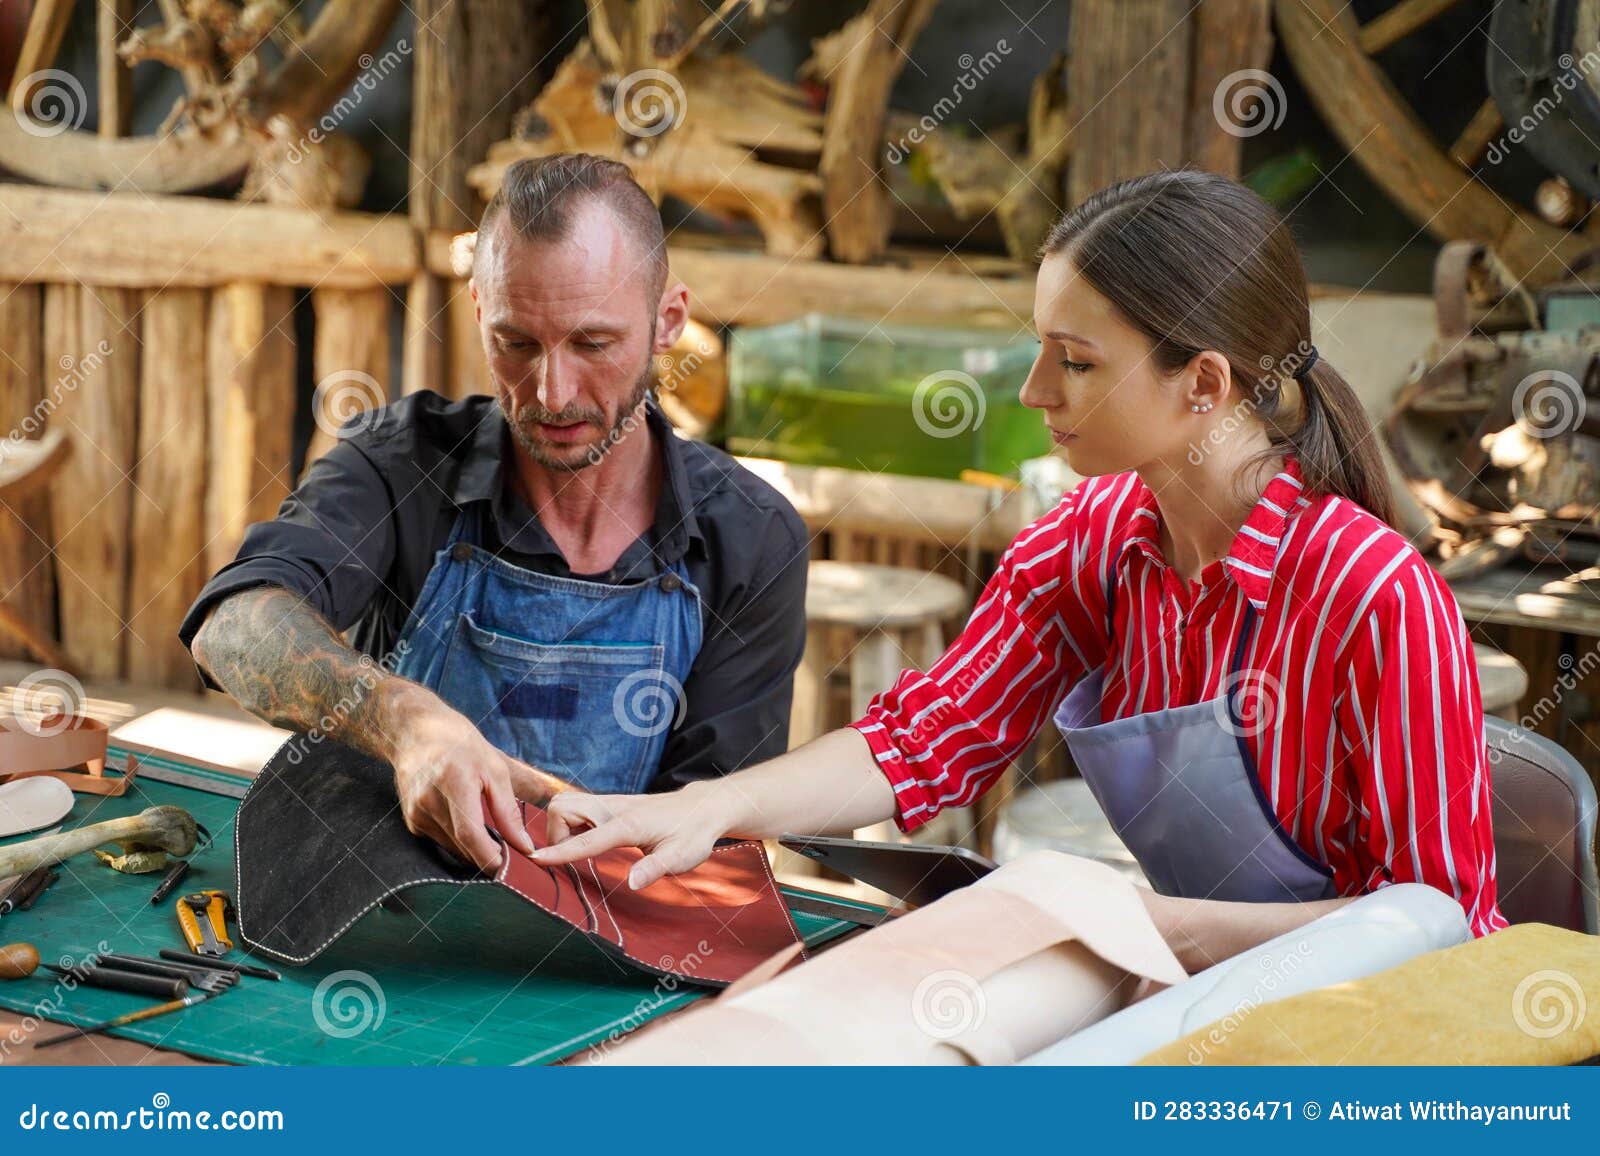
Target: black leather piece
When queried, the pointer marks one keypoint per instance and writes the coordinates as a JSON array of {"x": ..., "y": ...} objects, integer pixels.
[{"x": 320, "y": 840}]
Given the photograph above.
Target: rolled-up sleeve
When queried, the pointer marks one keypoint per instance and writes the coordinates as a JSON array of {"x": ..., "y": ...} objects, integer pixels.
[
  {"x": 332, "y": 543},
  {"x": 943, "y": 736},
  {"x": 1411, "y": 724}
]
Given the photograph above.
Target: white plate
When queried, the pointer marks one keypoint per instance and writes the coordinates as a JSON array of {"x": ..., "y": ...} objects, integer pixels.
[{"x": 32, "y": 803}]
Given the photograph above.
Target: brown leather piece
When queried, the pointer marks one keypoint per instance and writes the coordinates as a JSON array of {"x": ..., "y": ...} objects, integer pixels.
[{"x": 713, "y": 924}]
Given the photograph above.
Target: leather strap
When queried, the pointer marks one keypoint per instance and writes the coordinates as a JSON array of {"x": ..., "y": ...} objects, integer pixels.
[{"x": 52, "y": 744}]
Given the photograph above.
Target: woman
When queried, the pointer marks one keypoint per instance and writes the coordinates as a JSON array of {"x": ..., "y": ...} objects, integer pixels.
[{"x": 1270, "y": 692}]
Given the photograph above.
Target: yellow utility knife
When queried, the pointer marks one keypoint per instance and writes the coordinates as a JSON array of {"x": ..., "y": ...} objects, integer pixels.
[{"x": 203, "y": 917}]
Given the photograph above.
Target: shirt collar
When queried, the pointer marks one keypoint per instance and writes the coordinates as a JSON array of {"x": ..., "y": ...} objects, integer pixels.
[
  {"x": 1251, "y": 558},
  {"x": 482, "y": 477}
]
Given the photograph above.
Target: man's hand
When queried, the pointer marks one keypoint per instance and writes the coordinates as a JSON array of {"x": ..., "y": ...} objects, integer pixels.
[
  {"x": 447, "y": 774},
  {"x": 282, "y": 662}
]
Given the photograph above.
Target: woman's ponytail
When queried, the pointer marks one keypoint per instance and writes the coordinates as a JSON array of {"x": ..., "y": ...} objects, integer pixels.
[{"x": 1336, "y": 444}]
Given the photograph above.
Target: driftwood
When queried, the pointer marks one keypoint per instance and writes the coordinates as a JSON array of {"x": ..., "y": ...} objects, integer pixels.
[
  {"x": 693, "y": 136},
  {"x": 172, "y": 829},
  {"x": 217, "y": 142}
]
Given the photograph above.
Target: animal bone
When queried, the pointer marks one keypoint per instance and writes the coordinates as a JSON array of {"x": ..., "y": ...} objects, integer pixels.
[{"x": 172, "y": 829}]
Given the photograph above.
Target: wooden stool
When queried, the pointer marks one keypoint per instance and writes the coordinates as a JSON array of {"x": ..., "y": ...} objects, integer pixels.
[
  {"x": 872, "y": 622},
  {"x": 1502, "y": 681}
]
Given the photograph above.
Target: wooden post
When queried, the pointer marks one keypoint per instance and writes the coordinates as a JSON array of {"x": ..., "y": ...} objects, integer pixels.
[
  {"x": 855, "y": 201},
  {"x": 424, "y": 358},
  {"x": 1128, "y": 80},
  {"x": 469, "y": 366},
  {"x": 91, "y": 343},
  {"x": 250, "y": 354},
  {"x": 477, "y": 63},
  {"x": 168, "y": 549},
  {"x": 351, "y": 359},
  {"x": 113, "y": 21},
  {"x": 1229, "y": 36},
  {"x": 27, "y": 573}
]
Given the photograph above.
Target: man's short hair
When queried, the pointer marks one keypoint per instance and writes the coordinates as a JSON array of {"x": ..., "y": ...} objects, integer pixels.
[{"x": 538, "y": 197}]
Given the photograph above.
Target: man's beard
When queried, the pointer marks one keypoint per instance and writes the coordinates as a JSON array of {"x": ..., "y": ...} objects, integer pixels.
[{"x": 527, "y": 418}]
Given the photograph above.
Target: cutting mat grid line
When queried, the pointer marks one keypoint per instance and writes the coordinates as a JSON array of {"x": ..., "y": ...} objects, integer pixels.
[{"x": 466, "y": 996}]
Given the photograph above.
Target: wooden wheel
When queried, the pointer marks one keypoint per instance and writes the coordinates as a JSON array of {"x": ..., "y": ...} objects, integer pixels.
[
  {"x": 1435, "y": 183},
  {"x": 196, "y": 150}
]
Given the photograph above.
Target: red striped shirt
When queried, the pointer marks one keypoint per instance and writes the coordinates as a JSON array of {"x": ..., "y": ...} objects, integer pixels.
[{"x": 1368, "y": 736}]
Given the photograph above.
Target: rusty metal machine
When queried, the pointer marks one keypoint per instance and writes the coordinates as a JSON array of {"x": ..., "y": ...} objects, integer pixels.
[{"x": 1498, "y": 434}]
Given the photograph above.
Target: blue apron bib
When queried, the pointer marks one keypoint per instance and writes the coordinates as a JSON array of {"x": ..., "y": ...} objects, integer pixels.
[
  {"x": 1180, "y": 787},
  {"x": 581, "y": 679}
]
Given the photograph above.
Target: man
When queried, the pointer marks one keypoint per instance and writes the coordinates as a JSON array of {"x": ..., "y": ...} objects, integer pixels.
[{"x": 569, "y": 592}]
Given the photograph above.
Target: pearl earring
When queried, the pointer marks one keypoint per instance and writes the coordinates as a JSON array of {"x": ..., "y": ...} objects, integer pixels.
[{"x": 1202, "y": 408}]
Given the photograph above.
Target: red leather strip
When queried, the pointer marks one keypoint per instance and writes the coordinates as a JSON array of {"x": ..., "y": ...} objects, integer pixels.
[{"x": 714, "y": 923}]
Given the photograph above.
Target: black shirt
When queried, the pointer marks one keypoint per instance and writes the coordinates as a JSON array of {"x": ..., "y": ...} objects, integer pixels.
[{"x": 358, "y": 536}]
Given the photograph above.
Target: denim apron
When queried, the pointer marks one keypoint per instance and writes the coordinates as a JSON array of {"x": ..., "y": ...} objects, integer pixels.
[
  {"x": 581, "y": 679},
  {"x": 1180, "y": 787}
]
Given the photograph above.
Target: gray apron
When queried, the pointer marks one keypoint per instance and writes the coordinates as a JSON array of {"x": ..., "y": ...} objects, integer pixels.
[{"x": 1180, "y": 787}]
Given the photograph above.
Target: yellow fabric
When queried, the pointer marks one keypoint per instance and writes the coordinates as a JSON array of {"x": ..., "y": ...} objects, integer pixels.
[{"x": 1527, "y": 995}]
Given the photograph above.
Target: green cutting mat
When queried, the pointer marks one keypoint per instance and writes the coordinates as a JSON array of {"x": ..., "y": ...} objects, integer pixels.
[{"x": 464, "y": 978}]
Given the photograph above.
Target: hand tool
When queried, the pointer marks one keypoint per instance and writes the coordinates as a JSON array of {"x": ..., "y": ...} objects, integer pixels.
[
  {"x": 129, "y": 1018},
  {"x": 202, "y": 978},
  {"x": 18, "y": 960},
  {"x": 170, "y": 880},
  {"x": 26, "y": 899},
  {"x": 176, "y": 873},
  {"x": 172, "y": 829},
  {"x": 114, "y": 979},
  {"x": 24, "y": 887},
  {"x": 203, "y": 918},
  {"x": 218, "y": 964}
]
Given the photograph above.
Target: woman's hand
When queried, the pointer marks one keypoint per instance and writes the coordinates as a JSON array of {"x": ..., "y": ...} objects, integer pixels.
[
  {"x": 832, "y": 784},
  {"x": 676, "y": 831}
]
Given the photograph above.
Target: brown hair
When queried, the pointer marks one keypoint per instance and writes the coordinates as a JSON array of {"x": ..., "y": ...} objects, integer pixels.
[
  {"x": 537, "y": 196},
  {"x": 1196, "y": 261}
]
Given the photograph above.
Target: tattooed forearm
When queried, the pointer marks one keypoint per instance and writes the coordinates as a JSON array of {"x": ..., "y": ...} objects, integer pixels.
[{"x": 284, "y": 663}]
